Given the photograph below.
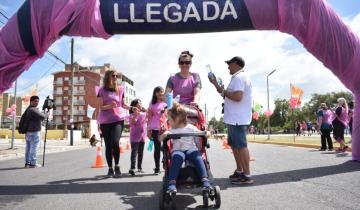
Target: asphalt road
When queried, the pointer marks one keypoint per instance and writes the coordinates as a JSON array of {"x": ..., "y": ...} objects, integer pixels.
[{"x": 285, "y": 178}]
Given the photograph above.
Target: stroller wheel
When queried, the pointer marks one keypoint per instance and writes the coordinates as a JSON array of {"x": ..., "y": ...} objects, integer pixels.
[
  {"x": 217, "y": 197},
  {"x": 206, "y": 198}
]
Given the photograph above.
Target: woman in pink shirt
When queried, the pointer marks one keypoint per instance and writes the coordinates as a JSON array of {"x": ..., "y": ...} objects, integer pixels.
[
  {"x": 155, "y": 110},
  {"x": 111, "y": 103},
  {"x": 340, "y": 122},
  {"x": 186, "y": 84},
  {"x": 137, "y": 135}
]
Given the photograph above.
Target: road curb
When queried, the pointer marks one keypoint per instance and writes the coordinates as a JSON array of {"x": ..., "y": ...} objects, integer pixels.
[{"x": 293, "y": 145}]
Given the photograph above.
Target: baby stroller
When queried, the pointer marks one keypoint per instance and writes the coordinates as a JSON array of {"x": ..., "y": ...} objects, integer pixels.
[{"x": 188, "y": 177}]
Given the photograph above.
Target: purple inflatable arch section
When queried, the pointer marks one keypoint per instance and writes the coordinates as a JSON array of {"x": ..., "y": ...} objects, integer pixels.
[{"x": 38, "y": 24}]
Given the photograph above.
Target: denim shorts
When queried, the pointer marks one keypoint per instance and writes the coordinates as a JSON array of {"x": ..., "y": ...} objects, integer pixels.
[{"x": 237, "y": 136}]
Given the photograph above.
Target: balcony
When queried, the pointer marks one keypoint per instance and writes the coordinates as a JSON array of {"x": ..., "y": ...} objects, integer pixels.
[
  {"x": 79, "y": 92},
  {"x": 58, "y": 83},
  {"x": 79, "y": 82},
  {"x": 57, "y": 92}
]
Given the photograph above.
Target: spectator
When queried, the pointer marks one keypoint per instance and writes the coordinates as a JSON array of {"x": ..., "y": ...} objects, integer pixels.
[
  {"x": 33, "y": 132},
  {"x": 340, "y": 122},
  {"x": 237, "y": 117},
  {"x": 325, "y": 127}
]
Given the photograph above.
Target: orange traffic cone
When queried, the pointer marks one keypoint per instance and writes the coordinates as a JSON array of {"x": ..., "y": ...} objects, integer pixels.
[
  {"x": 127, "y": 146},
  {"x": 99, "y": 162},
  {"x": 121, "y": 149},
  {"x": 226, "y": 144}
]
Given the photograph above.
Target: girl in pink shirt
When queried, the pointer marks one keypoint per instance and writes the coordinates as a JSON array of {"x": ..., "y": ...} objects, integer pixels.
[
  {"x": 137, "y": 135},
  {"x": 155, "y": 110}
]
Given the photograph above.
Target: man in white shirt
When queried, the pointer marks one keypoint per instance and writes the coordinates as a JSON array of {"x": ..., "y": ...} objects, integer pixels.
[{"x": 237, "y": 117}]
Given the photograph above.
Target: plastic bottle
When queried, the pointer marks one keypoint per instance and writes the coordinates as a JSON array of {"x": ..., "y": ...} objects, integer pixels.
[
  {"x": 169, "y": 100},
  {"x": 177, "y": 98},
  {"x": 210, "y": 73},
  {"x": 150, "y": 146},
  {"x": 219, "y": 81}
]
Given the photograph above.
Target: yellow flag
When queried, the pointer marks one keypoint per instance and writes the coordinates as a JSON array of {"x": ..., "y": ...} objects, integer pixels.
[{"x": 296, "y": 92}]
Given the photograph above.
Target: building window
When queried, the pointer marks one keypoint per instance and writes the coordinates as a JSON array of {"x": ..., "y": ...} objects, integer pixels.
[
  {"x": 66, "y": 78},
  {"x": 81, "y": 118},
  {"x": 82, "y": 78},
  {"x": 81, "y": 88},
  {"x": 66, "y": 88},
  {"x": 66, "y": 107}
]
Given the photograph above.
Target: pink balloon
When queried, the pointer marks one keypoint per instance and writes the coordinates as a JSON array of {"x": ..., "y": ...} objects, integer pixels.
[
  {"x": 255, "y": 116},
  {"x": 13, "y": 113},
  {"x": 8, "y": 110},
  {"x": 13, "y": 107},
  {"x": 293, "y": 102},
  {"x": 268, "y": 113}
]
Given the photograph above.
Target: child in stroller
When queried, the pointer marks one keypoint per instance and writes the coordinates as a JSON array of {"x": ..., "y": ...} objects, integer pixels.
[{"x": 181, "y": 143}]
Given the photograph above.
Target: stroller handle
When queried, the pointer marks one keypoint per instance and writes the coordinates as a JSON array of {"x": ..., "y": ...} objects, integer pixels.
[{"x": 179, "y": 135}]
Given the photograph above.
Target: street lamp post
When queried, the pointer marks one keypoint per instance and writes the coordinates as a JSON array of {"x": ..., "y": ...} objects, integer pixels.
[
  {"x": 215, "y": 112},
  {"x": 268, "y": 105}
]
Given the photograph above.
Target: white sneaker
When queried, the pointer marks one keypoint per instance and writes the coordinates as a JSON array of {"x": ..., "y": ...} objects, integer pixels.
[{"x": 35, "y": 166}]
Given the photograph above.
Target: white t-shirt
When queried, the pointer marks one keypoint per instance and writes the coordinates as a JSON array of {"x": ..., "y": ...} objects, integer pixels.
[
  {"x": 239, "y": 112},
  {"x": 184, "y": 143}
]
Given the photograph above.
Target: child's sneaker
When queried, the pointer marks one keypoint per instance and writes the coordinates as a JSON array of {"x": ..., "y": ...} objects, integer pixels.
[
  {"x": 171, "y": 189},
  {"x": 156, "y": 171},
  {"x": 132, "y": 172},
  {"x": 110, "y": 172},
  {"x": 206, "y": 184},
  {"x": 117, "y": 172}
]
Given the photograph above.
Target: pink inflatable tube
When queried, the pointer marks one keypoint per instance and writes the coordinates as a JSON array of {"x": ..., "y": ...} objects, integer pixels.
[{"x": 38, "y": 24}]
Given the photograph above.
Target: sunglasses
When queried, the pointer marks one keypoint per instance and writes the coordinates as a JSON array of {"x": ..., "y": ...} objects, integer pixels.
[
  {"x": 184, "y": 62},
  {"x": 114, "y": 76}
]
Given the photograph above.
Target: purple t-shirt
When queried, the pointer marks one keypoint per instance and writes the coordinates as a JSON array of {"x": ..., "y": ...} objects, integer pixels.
[
  {"x": 111, "y": 115},
  {"x": 138, "y": 129},
  {"x": 154, "y": 120},
  {"x": 184, "y": 87}
]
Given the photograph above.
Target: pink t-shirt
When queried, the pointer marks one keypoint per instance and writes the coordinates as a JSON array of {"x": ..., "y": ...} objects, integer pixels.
[
  {"x": 111, "y": 115},
  {"x": 138, "y": 129},
  {"x": 155, "y": 109},
  {"x": 184, "y": 87}
]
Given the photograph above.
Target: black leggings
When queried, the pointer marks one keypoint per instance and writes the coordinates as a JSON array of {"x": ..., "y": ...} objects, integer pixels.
[
  {"x": 137, "y": 149},
  {"x": 339, "y": 130},
  {"x": 157, "y": 146},
  {"x": 325, "y": 137},
  {"x": 112, "y": 134}
]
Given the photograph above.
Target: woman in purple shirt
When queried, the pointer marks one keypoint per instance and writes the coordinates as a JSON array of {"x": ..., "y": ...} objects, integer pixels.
[
  {"x": 186, "y": 84},
  {"x": 111, "y": 120},
  {"x": 340, "y": 122},
  {"x": 155, "y": 111}
]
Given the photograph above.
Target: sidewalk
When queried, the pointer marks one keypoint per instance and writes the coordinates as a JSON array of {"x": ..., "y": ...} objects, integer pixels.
[{"x": 52, "y": 146}]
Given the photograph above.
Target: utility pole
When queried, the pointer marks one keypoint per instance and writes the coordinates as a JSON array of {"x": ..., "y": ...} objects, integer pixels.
[
  {"x": 268, "y": 105},
  {"x": 72, "y": 95},
  {"x": 14, "y": 119}
]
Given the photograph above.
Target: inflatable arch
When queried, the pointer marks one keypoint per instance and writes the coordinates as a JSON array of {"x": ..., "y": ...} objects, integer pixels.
[{"x": 37, "y": 24}]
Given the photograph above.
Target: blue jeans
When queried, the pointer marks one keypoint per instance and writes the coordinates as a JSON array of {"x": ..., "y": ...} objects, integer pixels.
[
  {"x": 178, "y": 157},
  {"x": 32, "y": 144},
  {"x": 237, "y": 136}
]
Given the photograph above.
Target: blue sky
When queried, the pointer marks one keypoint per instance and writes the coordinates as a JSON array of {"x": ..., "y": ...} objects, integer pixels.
[{"x": 263, "y": 52}]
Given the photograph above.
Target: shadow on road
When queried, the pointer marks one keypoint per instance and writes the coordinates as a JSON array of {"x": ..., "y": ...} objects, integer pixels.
[
  {"x": 12, "y": 168},
  {"x": 295, "y": 175}
]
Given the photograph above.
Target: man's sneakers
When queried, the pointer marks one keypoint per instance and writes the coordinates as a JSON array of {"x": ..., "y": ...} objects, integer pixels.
[
  {"x": 27, "y": 165},
  {"x": 243, "y": 179},
  {"x": 235, "y": 175},
  {"x": 35, "y": 166}
]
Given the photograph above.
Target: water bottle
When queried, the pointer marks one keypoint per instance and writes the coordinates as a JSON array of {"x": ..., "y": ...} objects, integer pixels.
[
  {"x": 210, "y": 73},
  {"x": 177, "y": 98},
  {"x": 169, "y": 100},
  {"x": 219, "y": 81},
  {"x": 150, "y": 146}
]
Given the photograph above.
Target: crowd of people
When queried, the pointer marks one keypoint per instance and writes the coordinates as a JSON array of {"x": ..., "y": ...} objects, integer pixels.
[{"x": 146, "y": 122}]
